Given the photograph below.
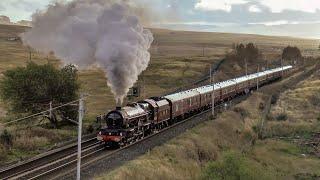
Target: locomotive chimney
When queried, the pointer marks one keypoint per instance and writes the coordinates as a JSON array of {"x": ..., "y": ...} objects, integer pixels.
[{"x": 118, "y": 105}]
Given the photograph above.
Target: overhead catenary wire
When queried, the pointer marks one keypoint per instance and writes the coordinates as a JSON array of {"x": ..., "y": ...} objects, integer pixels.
[{"x": 41, "y": 113}]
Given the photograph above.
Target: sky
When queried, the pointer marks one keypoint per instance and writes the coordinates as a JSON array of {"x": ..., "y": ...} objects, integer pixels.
[{"x": 300, "y": 18}]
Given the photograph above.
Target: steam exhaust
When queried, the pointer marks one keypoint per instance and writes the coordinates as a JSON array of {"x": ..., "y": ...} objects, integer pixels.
[{"x": 107, "y": 34}]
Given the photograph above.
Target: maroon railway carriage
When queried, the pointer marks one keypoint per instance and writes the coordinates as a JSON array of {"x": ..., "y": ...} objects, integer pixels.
[
  {"x": 161, "y": 111},
  {"x": 132, "y": 122},
  {"x": 184, "y": 103}
]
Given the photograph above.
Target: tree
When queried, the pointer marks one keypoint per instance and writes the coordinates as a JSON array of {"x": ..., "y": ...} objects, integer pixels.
[
  {"x": 6, "y": 138},
  {"x": 244, "y": 53},
  {"x": 30, "y": 89},
  {"x": 252, "y": 52},
  {"x": 291, "y": 53}
]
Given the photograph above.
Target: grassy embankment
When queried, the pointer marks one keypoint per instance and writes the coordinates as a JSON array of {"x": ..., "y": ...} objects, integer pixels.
[
  {"x": 177, "y": 59},
  {"x": 229, "y": 147}
]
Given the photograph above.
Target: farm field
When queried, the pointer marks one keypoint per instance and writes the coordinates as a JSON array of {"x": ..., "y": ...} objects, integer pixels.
[{"x": 177, "y": 59}]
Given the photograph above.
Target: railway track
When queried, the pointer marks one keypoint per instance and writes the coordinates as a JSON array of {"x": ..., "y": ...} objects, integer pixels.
[{"x": 24, "y": 169}]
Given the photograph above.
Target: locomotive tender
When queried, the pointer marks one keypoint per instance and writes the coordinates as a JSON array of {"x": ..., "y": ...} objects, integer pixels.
[{"x": 137, "y": 120}]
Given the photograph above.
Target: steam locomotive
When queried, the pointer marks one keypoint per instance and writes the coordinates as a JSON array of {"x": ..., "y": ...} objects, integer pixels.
[{"x": 137, "y": 120}]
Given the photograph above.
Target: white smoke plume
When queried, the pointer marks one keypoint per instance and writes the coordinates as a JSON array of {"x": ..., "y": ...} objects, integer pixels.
[{"x": 95, "y": 32}]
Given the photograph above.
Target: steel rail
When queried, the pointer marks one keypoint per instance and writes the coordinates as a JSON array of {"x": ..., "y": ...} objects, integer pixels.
[{"x": 20, "y": 168}]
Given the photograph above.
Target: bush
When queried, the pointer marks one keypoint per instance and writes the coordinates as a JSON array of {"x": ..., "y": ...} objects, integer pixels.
[
  {"x": 306, "y": 176},
  {"x": 261, "y": 106},
  {"x": 290, "y": 53},
  {"x": 289, "y": 130},
  {"x": 90, "y": 129},
  {"x": 232, "y": 166},
  {"x": 3, "y": 153},
  {"x": 315, "y": 99},
  {"x": 30, "y": 89},
  {"x": 243, "y": 112},
  {"x": 28, "y": 143},
  {"x": 274, "y": 99},
  {"x": 282, "y": 117},
  {"x": 6, "y": 138}
]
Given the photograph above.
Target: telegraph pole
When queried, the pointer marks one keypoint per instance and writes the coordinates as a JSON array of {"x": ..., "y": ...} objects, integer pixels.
[
  {"x": 245, "y": 61},
  {"x": 203, "y": 50},
  {"x": 282, "y": 67},
  {"x": 212, "y": 96},
  {"x": 50, "y": 113},
  {"x": 30, "y": 54},
  {"x": 265, "y": 58},
  {"x": 210, "y": 74},
  {"x": 80, "y": 116},
  {"x": 258, "y": 77}
]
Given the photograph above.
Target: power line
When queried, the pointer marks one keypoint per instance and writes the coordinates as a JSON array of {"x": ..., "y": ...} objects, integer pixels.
[{"x": 41, "y": 113}]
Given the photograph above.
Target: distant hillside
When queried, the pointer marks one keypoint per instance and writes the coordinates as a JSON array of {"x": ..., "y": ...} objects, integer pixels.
[
  {"x": 6, "y": 21},
  {"x": 24, "y": 23}
]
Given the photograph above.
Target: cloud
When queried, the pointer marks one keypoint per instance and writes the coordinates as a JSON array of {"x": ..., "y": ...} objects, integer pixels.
[
  {"x": 277, "y": 6},
  {"x": 2, "y": 8},
  {"x": 254, "y": 9},
  {"x": 295, "y": 30},
  {"x": 192, "y": 13},
  {"x": 213, "y": 5},
  {"x": 21, "y": 9},
  {"x": 285, "y": 22},
  {"x": 25, "y": 5},
  {"x": 275, "y": 23}
]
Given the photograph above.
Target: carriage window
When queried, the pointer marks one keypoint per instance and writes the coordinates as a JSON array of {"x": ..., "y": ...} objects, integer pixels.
[
  {"x": 190, "y": 101},
  {"x": 177, "y": 107}
]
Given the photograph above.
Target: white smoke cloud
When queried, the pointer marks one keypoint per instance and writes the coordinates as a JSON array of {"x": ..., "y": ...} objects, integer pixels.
[{"x": 95, "y": 32}]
